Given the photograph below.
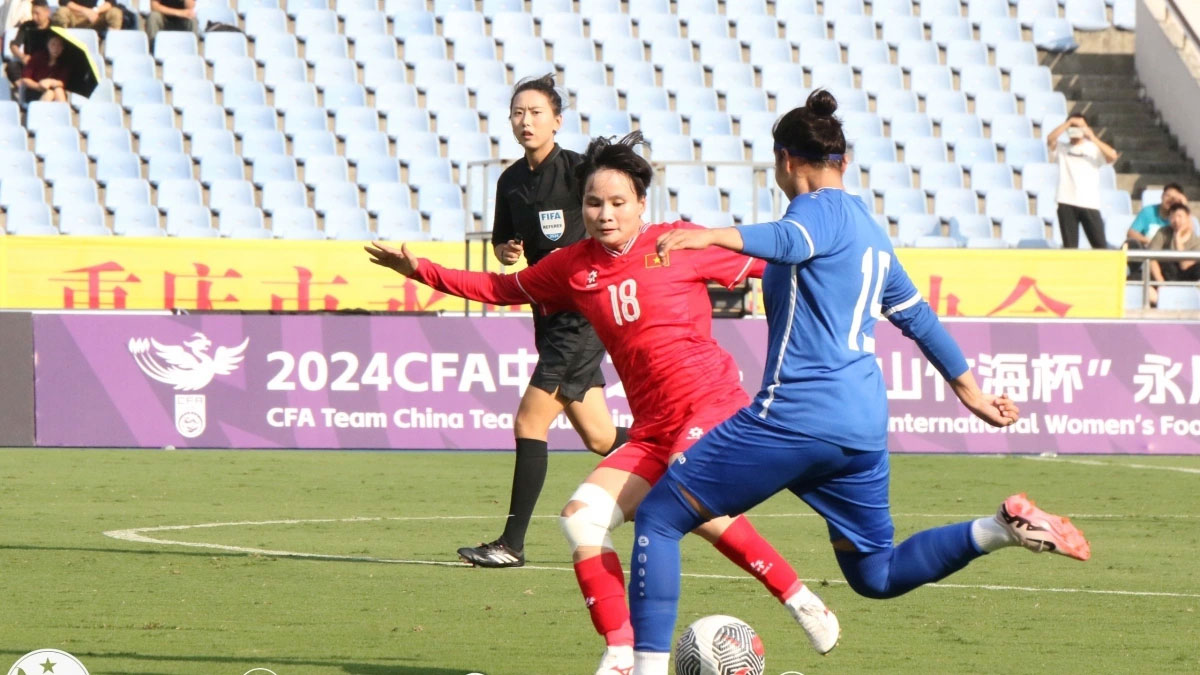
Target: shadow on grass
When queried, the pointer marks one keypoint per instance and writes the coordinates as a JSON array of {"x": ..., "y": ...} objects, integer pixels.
[
  {"x": 237, "y": 666},
  {"x": 215, "y": 553}
]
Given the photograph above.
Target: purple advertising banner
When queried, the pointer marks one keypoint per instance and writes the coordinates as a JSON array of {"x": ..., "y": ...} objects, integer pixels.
[{"x": 258, "y": 381}]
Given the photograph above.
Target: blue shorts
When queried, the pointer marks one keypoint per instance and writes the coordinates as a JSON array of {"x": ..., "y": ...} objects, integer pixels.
[{"x": 744, "y": 461}]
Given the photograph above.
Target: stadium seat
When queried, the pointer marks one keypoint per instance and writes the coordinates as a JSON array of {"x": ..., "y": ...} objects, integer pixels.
[
  {"x": 136, "y": 220},
  {"x": 307, "y": 145},
  {"x": 171, "y": 42},
  {"x": 326, "y": 169},
  {"x": 1040, "y": 176},
  {"x": 331, "y": 196},
  {"x": 938, "y": 176},
  {"x": 1014, "y": 53},
  {"x": 121, "y": 192},
  {"x": 229, "y": 193},
  {"x": 180, "y": 68},
  {"x": 968, "y": 226},
  {"x": 447, "y": 224},
  {"x": 65, "y": 165},
  {"x": 885, "y": 176},
  {"x": 1025, "y": 80},
  {"x": 1178, "y": 298},
  {"x": 907, "y": 126},
  {"x": 913, "y": 53},
  {"x": 957, "y": 127},
  {"x": 1086, "y": 15},
  {"x": 1023, "y": 231},
  {"x": 1054, "y": 35},
  {"x": 1002, "y": 203},
  {"x": 1125, "y": 15},
  {"x": 899, "y": 201},
  {"x": 226, "y": 44},
  {"x": 432, "y": 196},
  {"x": 921, "y": 151},
  {"x": 381, "y": 197},
  {"x": 272, "y": 168},
  {"x": 868, "y": 151},
  {"x": 55, "y": 140},
  {"x": 189, "y": 220},
  {"x": 348, "y": 224},
  {"x": 951, "y": 202},
  {"x": 74, "y": 190},
  {"x": 133, "y": 67},
  {"x": 877, "y": 78},
  {"x": 1115, "y": 201},
  {"x": 118, "y": 43},
  {"x": 927, "y": 78},
  {"x": 1019, "y": 152},
  {"x": 987, "y": 176},
  {"x": 217, "y": 167},
  {"x": 92, "y": 116},
  {"x": 934, "y": 9},
  {"x": 398, "y": 225},
  {"x": 970, "y": 151},
  {"x": 801, "y": 29},
  {"x": 242, "y": 222},
  {"x": 30, "y": 219},
  {"x": 168, "y": 166},
  {"x": 19, "y": 164},
  {"x": 208, "y": 143},
  {"x": 175, "y": 192}
]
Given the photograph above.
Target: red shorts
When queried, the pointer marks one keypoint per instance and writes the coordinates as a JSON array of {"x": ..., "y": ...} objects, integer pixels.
[{"x": 649, "y": 457}]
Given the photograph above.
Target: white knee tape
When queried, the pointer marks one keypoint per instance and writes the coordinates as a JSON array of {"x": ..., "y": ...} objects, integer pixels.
[{"x": 592, "y": 524}]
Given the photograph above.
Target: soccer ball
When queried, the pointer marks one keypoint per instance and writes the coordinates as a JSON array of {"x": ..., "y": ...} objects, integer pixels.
[{"x": 719, "y": 645}]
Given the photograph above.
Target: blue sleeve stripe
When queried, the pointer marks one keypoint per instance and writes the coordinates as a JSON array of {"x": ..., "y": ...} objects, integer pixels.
[
  {"x": 807, "y": 239},
  {"x": 902, "y": 306}
]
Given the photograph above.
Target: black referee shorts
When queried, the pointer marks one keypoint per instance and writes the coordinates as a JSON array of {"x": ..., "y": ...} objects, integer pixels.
[{"x": 569, "y": 355}]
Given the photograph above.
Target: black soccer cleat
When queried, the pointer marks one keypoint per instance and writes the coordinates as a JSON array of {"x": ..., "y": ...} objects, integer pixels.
[{"x": 493, "y": 554}]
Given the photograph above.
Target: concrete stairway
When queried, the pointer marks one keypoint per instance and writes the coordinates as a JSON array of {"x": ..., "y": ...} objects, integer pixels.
[{"x": 1100, "y": 81}]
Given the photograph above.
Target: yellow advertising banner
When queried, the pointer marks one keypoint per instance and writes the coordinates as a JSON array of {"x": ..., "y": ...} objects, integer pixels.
[
  {"x": 1033, "y": 283},
  {"x": 218, "y": 274},
  {"x": 282, "y": 275}
]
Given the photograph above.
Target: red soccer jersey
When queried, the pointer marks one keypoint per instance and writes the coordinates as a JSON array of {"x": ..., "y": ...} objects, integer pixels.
[{"x": 653, "y": 315}]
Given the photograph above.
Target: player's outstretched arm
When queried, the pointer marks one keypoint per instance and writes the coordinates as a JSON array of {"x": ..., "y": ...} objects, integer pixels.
[
  {"x": 998, "y": 411},
  {"x": 686, "y": 238},
  {"x": 401, "y": 259}
]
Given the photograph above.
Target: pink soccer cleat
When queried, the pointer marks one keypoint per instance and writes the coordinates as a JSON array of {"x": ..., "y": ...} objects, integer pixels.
[{"x": 1040, "y": 531}]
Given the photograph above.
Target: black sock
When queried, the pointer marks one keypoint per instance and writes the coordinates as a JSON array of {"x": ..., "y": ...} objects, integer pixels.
[
  {"x": 622, "y": 439},
  {"x": 529, "y": 474}
]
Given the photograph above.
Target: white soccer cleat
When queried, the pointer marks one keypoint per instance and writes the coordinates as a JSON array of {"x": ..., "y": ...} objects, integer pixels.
[
  {"x": 617, "y": 660},
  {"x": 817, "y": 620},
  {"x": 1040, "y": 531}
]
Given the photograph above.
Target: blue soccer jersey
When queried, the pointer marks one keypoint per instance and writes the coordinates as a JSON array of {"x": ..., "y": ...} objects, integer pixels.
[{"x": 832, "y": 274}]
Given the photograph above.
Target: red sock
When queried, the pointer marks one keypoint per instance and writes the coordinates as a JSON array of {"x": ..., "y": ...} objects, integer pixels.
[
  {"x": 603, "y": 584},
  {"x": 742, "y": 544}
]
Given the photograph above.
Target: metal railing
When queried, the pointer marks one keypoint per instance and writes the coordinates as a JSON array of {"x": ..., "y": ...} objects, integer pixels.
[{"x": 1145, "y": 256}]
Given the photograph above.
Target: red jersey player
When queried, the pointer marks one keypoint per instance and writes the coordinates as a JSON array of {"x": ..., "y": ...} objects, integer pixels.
[{"x": 654, "y": 316}]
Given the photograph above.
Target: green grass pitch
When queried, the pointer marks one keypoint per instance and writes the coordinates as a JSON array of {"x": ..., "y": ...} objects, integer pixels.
[{"x": 387, "y": 597}]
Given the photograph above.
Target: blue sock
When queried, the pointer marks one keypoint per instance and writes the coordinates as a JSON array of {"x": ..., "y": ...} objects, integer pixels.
[
  {"x": 925, "y": 557},
  {"x": 662, "y": 520}
]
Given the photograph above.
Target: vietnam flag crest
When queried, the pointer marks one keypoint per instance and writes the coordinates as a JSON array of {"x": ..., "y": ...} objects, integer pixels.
[{"x": 655, "y": 260}]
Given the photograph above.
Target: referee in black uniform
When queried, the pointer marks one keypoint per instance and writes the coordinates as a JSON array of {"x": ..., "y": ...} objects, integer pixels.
[{"x": 538, "y": 209}]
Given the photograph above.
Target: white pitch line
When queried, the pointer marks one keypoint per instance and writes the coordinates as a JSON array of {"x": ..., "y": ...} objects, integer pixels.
[
  {"x": 136, "y": 535},
  {"x": 1094, "y": 462}
]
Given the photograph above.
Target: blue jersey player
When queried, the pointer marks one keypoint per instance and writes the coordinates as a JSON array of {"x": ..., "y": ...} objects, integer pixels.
[{"x": 818, "y": 426}]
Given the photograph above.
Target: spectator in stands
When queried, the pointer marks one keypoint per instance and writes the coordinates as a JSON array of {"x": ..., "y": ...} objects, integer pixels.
[
  {"x": 30, "y": 39},
  {"x": 97, "y": 14},
  {"x": 170, "y": 15},
  {"x": 1179, "y": 236},
  {"x": 1079, "y": 165},
  {"x": 46, "y": 74},
  {"x": 1154, "y": 216}
]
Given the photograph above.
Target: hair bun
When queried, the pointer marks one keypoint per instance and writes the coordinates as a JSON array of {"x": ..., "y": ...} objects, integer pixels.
[{"x": 821, "y": 103}]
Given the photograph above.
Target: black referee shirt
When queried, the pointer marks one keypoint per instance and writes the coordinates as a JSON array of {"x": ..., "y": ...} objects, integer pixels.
[{"x": 543, "y": 207}]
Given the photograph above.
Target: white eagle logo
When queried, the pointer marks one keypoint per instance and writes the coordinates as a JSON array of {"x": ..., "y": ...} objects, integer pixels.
[{"x": 188, "y": 367}]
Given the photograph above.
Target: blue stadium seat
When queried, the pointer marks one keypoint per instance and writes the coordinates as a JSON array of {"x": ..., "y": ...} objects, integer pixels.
[
  {"x": 313, "y": 21},
  {"x": 271, "y": 168},
  {"x": 947, "y": 27},
  {"x": 432, "y": 196},
  {"x": 254, "y": 118},
  {"x": 227, "y": 44},
  {"x": 447, "y": 224},
  {"x": 262, "y": 142},
  {"x": 987, "y": 176},
  {"x": 997, "y": 29},
  {"x": 516, "y": 23},
  {"x": 951, "y": 202},
  {"x": 851, "y": 28},
  {"x": 260, "y": 21},
  {"x": 1027, "y": 80},
  {"x": 771, "y": 50},
  {"x": 110, "y": 140},
  {"x": 909, "y": 125},
  {"x": 281, "y": 69},
  {"x": 171, "y": 42},
  {"x": 980, "y": 10},
  {"x": 1037, "y": 177},
  {"x": 133, "y": 67},
  {"x": 230, "y": 193},
  {"x": 360, "y": 144},
  {"x": 282, "y": 194},
  {"x": 676, "y": 176},
  {"x": 992, "y": 104},
  {"x": 294, "y": 7},
  {"x": 348, "y": 224},
  {"x": 1125, "y": 15},
  {"x": 30, "y": 219},
  {"x": 868, "y": 151},
  {"x": 168, "y": 166},
  {"x": 332, "y": 195},
  {"x": 195, "y": 92},
  {"x": 967, "y": 226},
  {"x": 379, "y": 73},
  {"x": 230, "y": 69},
  {"x": 118, "y": 43},
  {"x": 20, "y": 163},
  {"x": 1030, "y": 12},
  {"x": 921, "y": 151},
  {"x": 830, "y": 75},
  {"x": 326, "y": 169},
  {"x": 1020, "y": 152},
  {"x": 82, "y": 220},
  {"x": 934, "y": 9},
  {"x": 137, "y": 220},
  {"x": 1008, "y": 127},
  {"x": 899, "y": 28},
  {"x": 885, "y": 176},
  {"x": 939, "y": 176},
  {"x": 899, "y": 201},
  {"x": 866, "y": 53},
  {"x": 890, "y": 102},
  {"x": 55, "y": 140},
  {"x": 804, "y": 28},
  {"x": 399, "y": 225},
  {"x": 1177, "y": 298},
  {"x": 1012, "y": 53},
  {"x": 570, "y": 49},
  {"x": 1087, "y": 15},
  {"x": 176, "y": 192},
  {"x": 971, "y": 151},
  {"x": 407, "y": 22},
  {"x": 913, "y": 53},
  {"x": 418, "y": 145},
  {"x": 1002, "y": 203},
  {"x": 928, "y": 78},
  {"x": 332, "y": 72},
  {"x": 308, "y": 145},
  {"x": 122, "y": 192},
  {"x": 912, "y": 226},
  {"x": 142, "y": 91},
  {"x": 370, "y": 48},
  {"x": 940, "y": 103},
  {"x": 1115, "y": 201},
  {"x": 747, "y": 29},
  {"x": 216, "y": 167},
  {"x": 880, "y": 77},
  {"x": 386, "y": 196},
  {"x": 74, "y": 190},
  {"x": 242, "y": 222},
  {"x": 956, "y": 127},
  {"x": 667, "y": 148},
  {"x": 429, "y": 170},
  {"x": 1021, "y": 230},
  {"x": 190, "y": 222},
  {"x": 180, "y": 68}
]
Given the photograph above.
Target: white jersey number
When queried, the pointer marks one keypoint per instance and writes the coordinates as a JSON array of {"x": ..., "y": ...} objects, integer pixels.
[
  {"x": 624, "y": 302},
  {"x": 874, "y": 269}
]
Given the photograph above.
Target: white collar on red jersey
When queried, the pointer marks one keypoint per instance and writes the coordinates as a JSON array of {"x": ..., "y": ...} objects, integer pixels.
[{"x": 628, "y": 245}]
